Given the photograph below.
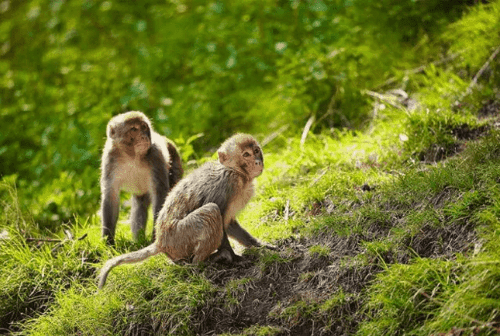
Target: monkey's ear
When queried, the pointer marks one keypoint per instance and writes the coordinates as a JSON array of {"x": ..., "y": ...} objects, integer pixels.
[
  {"x": 222, "y": 157},
  {"x": 111, "y": 132}
]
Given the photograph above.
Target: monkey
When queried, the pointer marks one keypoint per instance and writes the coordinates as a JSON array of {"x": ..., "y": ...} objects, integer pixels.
[
  {"x": 136, "y": 159},
  {"x": 200, "y": 212}
]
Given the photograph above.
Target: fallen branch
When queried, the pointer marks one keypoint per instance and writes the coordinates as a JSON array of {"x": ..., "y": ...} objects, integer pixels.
[
  {"x": 419, "y": 69},
  {"x": 66, "y": 240},
  {"x": 274, "y": 135},
  {"x": 287, "y": 210},
  {"x": 385, "y": 98},
  {"x": 45, "y": 240},
  {"x": 480, "y": 72},
  {"x": 319, "y": 177},
  {"x": 306, "y": 130}
]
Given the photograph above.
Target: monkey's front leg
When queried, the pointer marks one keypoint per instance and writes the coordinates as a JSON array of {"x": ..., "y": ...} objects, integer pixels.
[
  {"x": 235, "y": 231},
  {"x": 139, "y": 216},
  {"x": 110, "y": 206}
]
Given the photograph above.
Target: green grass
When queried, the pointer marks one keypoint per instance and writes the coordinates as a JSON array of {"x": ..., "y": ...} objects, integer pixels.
[
  {"x": 154, "y": 297},
  {"x": 258, "y": 331},
  {"x": 423, "y": 296},
  {"x": 375, "y": 237},
  {"x": 436, "y": 295}
]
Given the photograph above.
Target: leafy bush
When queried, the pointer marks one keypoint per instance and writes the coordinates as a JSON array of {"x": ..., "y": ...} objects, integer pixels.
[{"x": 195, "y": 68}]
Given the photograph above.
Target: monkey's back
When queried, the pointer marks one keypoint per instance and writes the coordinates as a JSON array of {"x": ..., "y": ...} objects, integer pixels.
[{"x": 210, "y": 183}]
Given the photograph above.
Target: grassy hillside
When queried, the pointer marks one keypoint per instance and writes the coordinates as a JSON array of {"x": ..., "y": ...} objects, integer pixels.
[{"x": 385, "y": 211}]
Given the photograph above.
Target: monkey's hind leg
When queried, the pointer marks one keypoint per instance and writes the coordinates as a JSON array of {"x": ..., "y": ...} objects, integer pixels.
[
  {"x": 197, "y": 235},
  {"x": 139, "y": 216},
  {"x": 225, "y": 252}
]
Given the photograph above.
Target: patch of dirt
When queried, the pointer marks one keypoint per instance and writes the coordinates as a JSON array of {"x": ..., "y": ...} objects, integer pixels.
[
  {"x": 466, "y": 132},
  {"x": 490, "y": 108},
  {"x": 462, "y": 133},
  {"x": 303, "y": 277},
  {"x": 441, "y": 198},
  {"x": 437, "y": 153},
  {"x": 283, "y": 292},
  {"x": 433, "y": 242}
]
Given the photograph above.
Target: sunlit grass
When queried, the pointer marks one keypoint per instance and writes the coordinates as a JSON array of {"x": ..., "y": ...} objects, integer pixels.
[
  {"x": 371, "y": 185},
  {"x": 404, "y": 196}
]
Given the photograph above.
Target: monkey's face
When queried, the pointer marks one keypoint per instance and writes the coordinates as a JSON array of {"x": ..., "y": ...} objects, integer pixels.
[
  {"x": 242, "y": 153},
  {"x": 252, "y": 160},
  {"x": 138, "y": 135},
  {"x": 132, "y": 135}
]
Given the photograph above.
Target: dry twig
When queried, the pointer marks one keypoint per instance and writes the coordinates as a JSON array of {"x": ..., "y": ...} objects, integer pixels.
[
  {"x": 287, "y": 211},
  {"x": 306, "y": 130},
  {"x": 274, "y": 135},
  {"x": 45, "y": 240},
  {"x": 66, "y": 240},
  {"x": 419, "y": 69},
  {"x": 480, "y": 72},
  {"x": 60, "y": 242}
]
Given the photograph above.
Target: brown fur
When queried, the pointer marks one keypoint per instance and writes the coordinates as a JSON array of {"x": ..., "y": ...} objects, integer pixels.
[
  {"x": 138, "y": 160},
  {"x": 200, "y": 211}
]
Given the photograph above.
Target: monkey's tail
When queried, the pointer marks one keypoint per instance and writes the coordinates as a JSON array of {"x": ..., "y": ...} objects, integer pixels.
[{"x": 129, "y": 258}]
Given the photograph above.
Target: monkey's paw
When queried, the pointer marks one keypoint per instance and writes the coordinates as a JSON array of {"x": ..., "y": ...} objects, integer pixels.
[
  {"x": 224, "y": 256},
  {"x": 269, "y": 246}
]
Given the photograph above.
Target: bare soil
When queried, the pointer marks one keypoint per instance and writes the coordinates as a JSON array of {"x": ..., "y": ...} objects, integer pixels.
[
  {"x": 312, "y": 279},
  {"x": 462, "y": 133}
]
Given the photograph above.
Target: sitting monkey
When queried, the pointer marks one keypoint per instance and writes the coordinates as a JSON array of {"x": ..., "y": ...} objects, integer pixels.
[
  {"x": 138, "y": 160},
  {"x": 200, "y": 211}
]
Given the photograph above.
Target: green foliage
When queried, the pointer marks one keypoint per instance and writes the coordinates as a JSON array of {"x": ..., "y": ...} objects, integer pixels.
[
  {"x": 258, "y": 331},
  {"x": 154, "y": 296},
  {"x": 475, "y": 36},
  {"x": 400, "y": 296},
  {"x": 252, "y": 65},
  {"x": 366, "y": 173},
  {"x": 32, "y": 273},
  {"x": 319, "y": 251}
]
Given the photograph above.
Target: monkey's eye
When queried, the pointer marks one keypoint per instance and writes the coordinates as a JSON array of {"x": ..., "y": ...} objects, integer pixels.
[
  {"x": 144, "y": 126},
  {"x": 256, "y": 151},
  {"x": 246, "y": 154}
]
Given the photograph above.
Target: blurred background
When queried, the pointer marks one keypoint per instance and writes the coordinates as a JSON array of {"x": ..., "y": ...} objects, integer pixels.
[{"x": 201, "y": 70}]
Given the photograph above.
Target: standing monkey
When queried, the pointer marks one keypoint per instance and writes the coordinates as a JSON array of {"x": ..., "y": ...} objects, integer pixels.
[
  {"x": 200, "y": 212},
  {"x": 138, "y": 160}
]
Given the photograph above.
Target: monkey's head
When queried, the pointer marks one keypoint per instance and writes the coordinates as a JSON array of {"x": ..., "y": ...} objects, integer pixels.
[
  {"x": 242, "y": 153},
  {"x": 131, "y": 132}
]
